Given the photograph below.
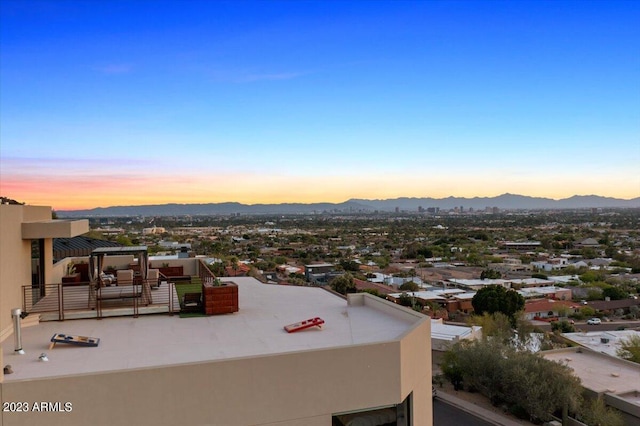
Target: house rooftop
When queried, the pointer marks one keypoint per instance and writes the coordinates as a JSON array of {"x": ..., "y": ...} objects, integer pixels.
[
  {"x": 546, "y": 305},
  {"x": 478, "y": 282},
  {"x": 257, "y": 329},
  {"x": 424, "y": 295},
  {"x": 599, "y": 372},
  {"x": 440, "y": 330},
  {"x": 606, "y": 342}
]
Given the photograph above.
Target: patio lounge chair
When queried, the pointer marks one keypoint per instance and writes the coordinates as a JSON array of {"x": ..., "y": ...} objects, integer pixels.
[
  {"x": 153, "y": 276},
  {"x": 125, "y": 277},
  {"x": 192, "y": 302}
]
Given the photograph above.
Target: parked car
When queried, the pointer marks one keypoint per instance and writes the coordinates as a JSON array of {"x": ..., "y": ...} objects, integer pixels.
[{"x": 594, "y": 321}]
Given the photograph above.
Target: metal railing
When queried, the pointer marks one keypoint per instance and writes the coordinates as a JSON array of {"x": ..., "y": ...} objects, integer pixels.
[{"x": 60, "y": 300}]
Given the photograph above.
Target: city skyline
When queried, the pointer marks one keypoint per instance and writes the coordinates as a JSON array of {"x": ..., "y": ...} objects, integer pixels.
[{"x": 134, "y": 103}]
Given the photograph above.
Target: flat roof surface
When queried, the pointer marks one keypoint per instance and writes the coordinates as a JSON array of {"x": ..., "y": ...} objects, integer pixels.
[
  {"x": 599, "y": 372},
  {"x": 447, "y": 331},
  {"x": 478, "y": 282},
  {"x": 425, "y": 295},
  {"x": 593, "y": 339},
  {"x": 120, "y": 250},
  {"x": 160, "y": 340}
]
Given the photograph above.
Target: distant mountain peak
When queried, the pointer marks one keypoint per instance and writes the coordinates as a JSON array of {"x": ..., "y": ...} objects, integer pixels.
[{"x": 505, "y": 201}]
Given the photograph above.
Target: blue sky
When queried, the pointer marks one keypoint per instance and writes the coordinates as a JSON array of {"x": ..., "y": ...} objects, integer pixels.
[{"x": 144, "y": 102}]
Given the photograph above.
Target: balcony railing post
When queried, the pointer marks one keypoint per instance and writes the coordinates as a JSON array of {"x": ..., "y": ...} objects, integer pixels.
[
  {"x": 171, "y": 286},
  {"x": 60, "y": 302}
]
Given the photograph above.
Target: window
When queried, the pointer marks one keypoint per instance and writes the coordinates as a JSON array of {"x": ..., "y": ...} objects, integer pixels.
[{"x": 392, "y": 415}]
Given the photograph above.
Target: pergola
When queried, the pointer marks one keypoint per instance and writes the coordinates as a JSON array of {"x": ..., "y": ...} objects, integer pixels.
[{"x": 96, "y": 263}]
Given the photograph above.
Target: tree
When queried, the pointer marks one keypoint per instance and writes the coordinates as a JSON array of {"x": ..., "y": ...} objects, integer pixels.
[
  {"x": 563, "y": 326},
  {"x": 539, "y": 275},
  {"x": 409, "y": 286},
  {"x": 587, "y": 311},
  {"x": 6, "y": 200},
  {"x": 217, "y": 268},
  {"x": 233, "y": 261},
  {"x": 374, "y": 292},
  {"x": 592, "y": 276},
  {"x": 495, "y": 298},
  {"x": 630, "y": 349},
  {"x": 343, "y": 284},
  {"x": 615, "y": 293},
  {"x": 496, "y": 325},
  {"x": 294, "y": 280},
  {"x": 405, "y": 300},
  {"x": 524, "y": 381},
  {"x": 350, "y": 265},
  {"x": 596, "y": 413},
  {"x": 124, "y": 240},
  {"x": 490, "y": 274}
]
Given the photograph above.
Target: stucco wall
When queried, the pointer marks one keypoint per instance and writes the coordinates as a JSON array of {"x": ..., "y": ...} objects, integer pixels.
[
  {"x": 15, "y": 257},
  {"x": 303, "y": 388},
  {"x": 416, "y": 371}
]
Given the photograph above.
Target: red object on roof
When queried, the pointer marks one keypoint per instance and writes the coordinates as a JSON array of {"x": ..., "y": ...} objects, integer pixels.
[{"x": 312, "y": 322}]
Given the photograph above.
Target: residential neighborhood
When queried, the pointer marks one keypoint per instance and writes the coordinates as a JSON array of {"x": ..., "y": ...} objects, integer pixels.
[
  {"x": 320, "y": 213},
  {"x": 436, "y": 266}
]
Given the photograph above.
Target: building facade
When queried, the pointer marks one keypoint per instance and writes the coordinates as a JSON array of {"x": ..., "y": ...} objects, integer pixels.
[{"x": 370, "y": 359}]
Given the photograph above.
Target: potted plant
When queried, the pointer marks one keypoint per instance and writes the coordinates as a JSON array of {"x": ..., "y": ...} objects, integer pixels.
[
  {"x": 71, "y": 276},
  {"x": 82, "y": 268},
  {"x": 219, "y": 297}
]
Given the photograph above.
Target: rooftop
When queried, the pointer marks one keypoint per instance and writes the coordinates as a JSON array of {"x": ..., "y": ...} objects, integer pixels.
[
  {"x": 257, "y": 329},
  {"x": 547, "y": 305},
  {"x": 529, "y": 292},
  {"x": 479, "y": 282},
  {"x": 598, "y": 372},
  {"x": 440, "y": 330},
  {"x": 606, "y": 342}
]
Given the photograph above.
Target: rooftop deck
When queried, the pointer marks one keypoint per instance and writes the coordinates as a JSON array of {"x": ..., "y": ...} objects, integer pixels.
[
  {"x": 257, "y": 329},
  {"x": 73, "y": 302}
]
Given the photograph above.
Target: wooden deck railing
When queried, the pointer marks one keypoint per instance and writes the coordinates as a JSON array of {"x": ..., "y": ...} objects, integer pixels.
[{"x": 205, "y": 274}]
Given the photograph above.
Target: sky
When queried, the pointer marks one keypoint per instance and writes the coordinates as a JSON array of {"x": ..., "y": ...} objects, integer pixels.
[{"x": 112, "y": 103}]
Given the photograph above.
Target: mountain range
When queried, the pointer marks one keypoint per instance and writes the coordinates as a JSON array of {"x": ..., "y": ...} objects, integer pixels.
[{"x": 502, "y": 202}]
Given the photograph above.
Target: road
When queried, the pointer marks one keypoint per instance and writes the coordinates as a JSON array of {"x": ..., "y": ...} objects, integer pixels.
[
  {"x": 448, "y": 415},
  {"x": 605, "y": 326}
]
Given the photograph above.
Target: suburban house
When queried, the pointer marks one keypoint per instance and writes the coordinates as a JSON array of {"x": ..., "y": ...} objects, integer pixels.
[
  {"x": 606, "y": 342},
  {"x": 552, "y": 264},
  {"x": 444, "y": 335},
  {"x": 551, "y": 292},
  {"x": 609, "y": 307},
  {"x": 288, "y": 356},
  {"x": 511, "y": 264},
  {"x": 521, "y": 245},
  {"x": 320, "y": 273},
  {"x": 549, "y": 308},
  {"x": 477, "y": 284},
  {"x": 450, "y": 300},
  {"x": 587, "y": 243}
]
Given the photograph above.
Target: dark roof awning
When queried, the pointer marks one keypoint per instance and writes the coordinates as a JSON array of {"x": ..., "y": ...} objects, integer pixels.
[
  {"x": 120, "y": 250},
  {"x": 78, "y": 246}
]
